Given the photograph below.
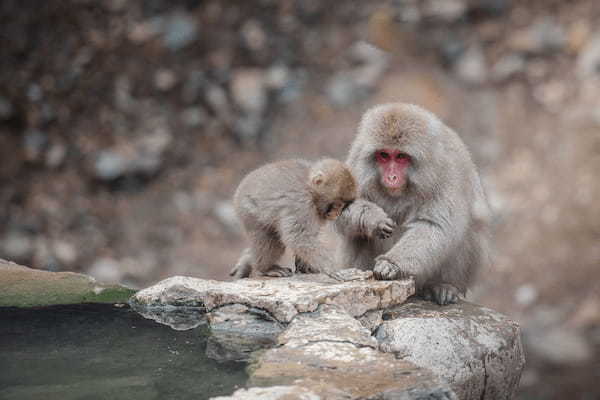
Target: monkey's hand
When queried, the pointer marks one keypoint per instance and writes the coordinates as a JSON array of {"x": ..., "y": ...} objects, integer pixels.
[
  {"x": 384, "y": 228},
  {"x": 387, "y": 270}
]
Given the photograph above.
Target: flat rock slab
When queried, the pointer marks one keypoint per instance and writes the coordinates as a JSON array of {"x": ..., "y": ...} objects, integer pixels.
[
  {"x": 26, "y": 287},
  {"x": 283, "y": 298},
  {"x": 476, "y": 350},
  {"x": 344, "y": 371}
]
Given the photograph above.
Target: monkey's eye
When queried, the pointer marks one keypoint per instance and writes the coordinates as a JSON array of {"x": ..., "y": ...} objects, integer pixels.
[
  {"x": 402, "y": 156},
  {"x": 383, "y": 155}
]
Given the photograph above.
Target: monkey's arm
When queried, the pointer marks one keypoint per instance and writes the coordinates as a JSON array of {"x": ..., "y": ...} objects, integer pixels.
[
  {"x": 425, "y": 244},
  {"x": 366, "y": 219}
]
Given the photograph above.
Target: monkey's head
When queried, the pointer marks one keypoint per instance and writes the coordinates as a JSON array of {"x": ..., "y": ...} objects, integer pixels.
[
  {"x": 395, "y": 142},
  {"x": 333, "y": 187}
]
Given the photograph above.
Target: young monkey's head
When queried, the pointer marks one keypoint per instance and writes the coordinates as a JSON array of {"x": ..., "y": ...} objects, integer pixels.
[{"x": 333, "y": 187}]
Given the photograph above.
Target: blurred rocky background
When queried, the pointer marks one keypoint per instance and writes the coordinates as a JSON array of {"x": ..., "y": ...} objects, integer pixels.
[{"x": 125, "y": 126}]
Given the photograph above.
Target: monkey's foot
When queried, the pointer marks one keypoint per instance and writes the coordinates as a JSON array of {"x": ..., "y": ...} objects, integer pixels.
[
  {"x": 385, "y": 270},
  {"x": 277, "y": 271},
  {"x": 304, "y": 267},
  {"x": 442, "y": 293},
  {"x": 384, "y": 228},
  {"x": 241, "y": 271}
]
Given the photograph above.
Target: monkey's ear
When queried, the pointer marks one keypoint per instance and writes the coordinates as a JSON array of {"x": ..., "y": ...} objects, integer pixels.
[{"x": 317, "y": 178}]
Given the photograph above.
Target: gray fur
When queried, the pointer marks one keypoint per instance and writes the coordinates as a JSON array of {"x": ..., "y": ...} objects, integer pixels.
[
  {"x": 442, "y": 214},
  {"x": 280, "y": 206}
]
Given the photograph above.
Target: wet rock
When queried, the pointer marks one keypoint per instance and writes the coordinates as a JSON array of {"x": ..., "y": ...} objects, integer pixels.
[
  {"x": 471, "y": 66},
  {"x": 6, "y": 109},
  {"x": 476, "y": 350},
  {"x": 283, "y": 298},
  {"x": 178, "y": 318},
  {"x": 248, "y": 90},
  {"x": 588, "y": 62},
  {"x": 237, "y": 331},
  {"x": 545, "y": 36}
]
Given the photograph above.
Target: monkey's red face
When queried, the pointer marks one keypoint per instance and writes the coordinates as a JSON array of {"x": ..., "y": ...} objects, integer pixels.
[{"x": 392, "y": 165}]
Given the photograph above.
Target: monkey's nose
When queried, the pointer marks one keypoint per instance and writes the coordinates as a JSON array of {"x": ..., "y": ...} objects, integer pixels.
[{"x": 393, "y": 178}]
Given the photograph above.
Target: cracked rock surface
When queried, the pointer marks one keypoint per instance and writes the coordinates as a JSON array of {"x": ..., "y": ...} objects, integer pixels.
[
  {"x": 283, "y": 298},
  {"x": 476, "y": 350}
]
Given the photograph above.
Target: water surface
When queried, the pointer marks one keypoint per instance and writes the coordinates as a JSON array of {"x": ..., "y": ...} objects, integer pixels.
[{"x": 105, "y": 352}]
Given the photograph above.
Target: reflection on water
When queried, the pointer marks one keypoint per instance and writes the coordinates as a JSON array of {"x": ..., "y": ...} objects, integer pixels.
[{"x": 105, "y": 352}]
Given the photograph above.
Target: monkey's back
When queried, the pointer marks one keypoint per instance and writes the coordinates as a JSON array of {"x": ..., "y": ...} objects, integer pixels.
[{"x": 272, "y": 191}]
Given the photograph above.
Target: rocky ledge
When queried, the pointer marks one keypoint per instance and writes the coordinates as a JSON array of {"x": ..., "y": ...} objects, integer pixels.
[{"x": 313, "y": 337}]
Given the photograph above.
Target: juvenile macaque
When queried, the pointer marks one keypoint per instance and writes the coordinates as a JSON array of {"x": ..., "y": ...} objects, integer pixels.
[
  {"x": 284, "y": 204},
  {"x": 414, "y": 170}
]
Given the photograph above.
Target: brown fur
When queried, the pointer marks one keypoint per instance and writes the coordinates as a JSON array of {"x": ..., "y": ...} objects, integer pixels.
[
  {"x": 284, "y": 204},
  {"x": 441, "y": 214}
]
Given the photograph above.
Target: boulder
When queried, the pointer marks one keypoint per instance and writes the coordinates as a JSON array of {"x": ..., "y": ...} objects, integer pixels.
[{"x": 476, "y": 350}]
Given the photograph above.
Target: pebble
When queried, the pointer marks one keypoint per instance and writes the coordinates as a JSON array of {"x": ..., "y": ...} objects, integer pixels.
[{"x": 248, "y": 90}]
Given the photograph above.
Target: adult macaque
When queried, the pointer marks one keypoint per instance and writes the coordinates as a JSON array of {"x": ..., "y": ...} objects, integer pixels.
[
  {"x": 284, "y": 204},
  {"x": 412, "y": 168}
]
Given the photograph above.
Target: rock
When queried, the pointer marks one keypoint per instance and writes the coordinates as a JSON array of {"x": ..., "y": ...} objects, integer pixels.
[
  {"x": 34, "y": 143},
  {"x": 248, "y": 90},
  {"x": 277, "y": 77},
  {"x": 6, "y": 109},
  {"x": 588, "y": 62},
  {"x": 56, "y": 155},
  {"x": 444, "y": 10},
  {"x": 338, "y": 370},
  {"x": 65, "y": 252},
  {"x": 178, "y": 30},
  {"x": 25, "y": 287},
  {"x": 344, "y": 90},
  {"x": 507, "y": 67},
  {"x": 492, "y": 8},
  {"x": 253, "y": 35},
  {"x": 327, "y": 324},
  {"x": 476, "y": 350},
  {"x": 272, "y": 393},
  {"x": 471, "y": 66},
  {"x": 237, "y": 331},
  {"x": 545, "y": 36},
  {"x": 164, "y": 79},
  {"x": 178, "y": 318},
  {"x": 194, "y": 117},
  {"x": 193, "y": 86},
  {"x": 283, "y": 298}
]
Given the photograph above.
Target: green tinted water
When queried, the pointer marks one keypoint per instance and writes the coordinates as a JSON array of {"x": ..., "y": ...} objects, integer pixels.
[{"x": 105, "y": 352}]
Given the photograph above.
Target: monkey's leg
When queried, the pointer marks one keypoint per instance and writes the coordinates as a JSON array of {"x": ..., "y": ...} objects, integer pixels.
[
  {"x": 243, "y": 268},
  {"x": 304, "y": 267},
  {"x": 441, "y": 293},
  {"x": 267, "y": 249}
]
